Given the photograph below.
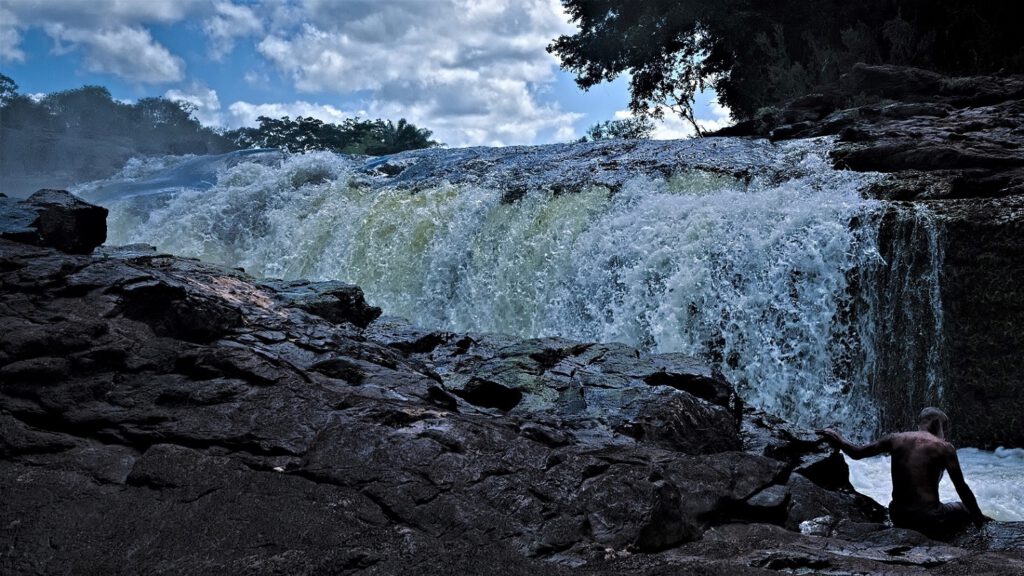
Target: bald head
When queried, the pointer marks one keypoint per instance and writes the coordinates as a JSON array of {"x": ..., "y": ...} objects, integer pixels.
[{"x": 933, "y": 420}]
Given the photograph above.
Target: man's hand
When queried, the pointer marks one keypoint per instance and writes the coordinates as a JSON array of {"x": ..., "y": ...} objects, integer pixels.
[
  {"x": 836, "y": 440},
  {"x": 831, "y": 436}
]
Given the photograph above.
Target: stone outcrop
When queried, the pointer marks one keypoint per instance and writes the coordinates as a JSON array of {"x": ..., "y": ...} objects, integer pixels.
[
  {"x": 939, "y": 137},
  {"x": 53, "y": 218},
  {"x": 159, "y": 415}
]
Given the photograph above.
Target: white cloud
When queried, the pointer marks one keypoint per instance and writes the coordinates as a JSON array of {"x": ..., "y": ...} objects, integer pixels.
[
  {"x": 101, "y": 13},
  {"x": 256, "y": 79},
  {"x": 673, "y": 127},
  {"x": 10, "y": 37},
  {"x": 204, "y": 100},
  {"x": 112, "y": 34},
  {"x": 471, "y": 71},
  {"x": 230, "y": 21},
  {"x": 129, "y": 52},
  {"x": 245, "y": 113}
]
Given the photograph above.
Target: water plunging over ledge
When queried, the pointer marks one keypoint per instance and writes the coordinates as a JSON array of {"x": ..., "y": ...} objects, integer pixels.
[{"x": 758, "y": 258}]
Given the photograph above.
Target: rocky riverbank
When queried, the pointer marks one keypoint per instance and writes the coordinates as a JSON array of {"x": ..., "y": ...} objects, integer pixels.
[{"x": 160, "y": 415}]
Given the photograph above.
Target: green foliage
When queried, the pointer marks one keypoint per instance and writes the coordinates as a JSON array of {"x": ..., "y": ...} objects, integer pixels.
[
  {"x": 352, "y": 136},
  {"x": 161, "y": 126},
  {"x": 757, "y": 53},
  {"x": 8, "y": 89},
  {"x": 626, "y": 128},
  {"x": 151, "y": 126}
]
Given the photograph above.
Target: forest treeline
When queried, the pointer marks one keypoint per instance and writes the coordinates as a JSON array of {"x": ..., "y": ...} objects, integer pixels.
[
  {"x": 73, "y": 136},
  {"x": 162, "y": 126},
  {"x": 758, "y": 54}
]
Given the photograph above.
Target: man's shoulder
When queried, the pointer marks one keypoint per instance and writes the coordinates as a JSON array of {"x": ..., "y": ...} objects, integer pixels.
[{"x": 920, "y": 440}]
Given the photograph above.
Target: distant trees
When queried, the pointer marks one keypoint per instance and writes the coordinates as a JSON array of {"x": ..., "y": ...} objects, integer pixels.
[
  {"x": 150, "y": 126},
  {"x": 162, "y": 126},
  {"x": 625, "y": 128},
  {"x": 757, "y": 53},
  {"x": 352, "y": 136}
]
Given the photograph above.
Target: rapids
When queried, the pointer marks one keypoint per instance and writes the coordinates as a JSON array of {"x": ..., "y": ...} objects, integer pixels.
[{"x": 758, "y": 258}]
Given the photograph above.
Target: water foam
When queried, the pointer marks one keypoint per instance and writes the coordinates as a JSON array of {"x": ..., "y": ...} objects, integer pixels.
[
  {"x": 756, "y": 276},
  {"x": 994, "y": 477}
]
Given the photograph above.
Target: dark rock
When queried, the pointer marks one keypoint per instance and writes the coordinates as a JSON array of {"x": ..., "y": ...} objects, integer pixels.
[
  {"x": 992, "y": 536},
  {"x": 334, "y": 301},
  {"x": 54, "y": 218},
  {"x": 895, "y": 82},
  {"x": 487, "y": 394},
  {"x": 808, "y": 502},
  {"x": 768, "y": 505}
]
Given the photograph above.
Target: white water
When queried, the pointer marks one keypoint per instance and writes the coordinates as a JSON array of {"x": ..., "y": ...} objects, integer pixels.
[
  {"x": 752, "y": 276},
  {"x": 994, "y": 477},
  {"x": 779, "y": 282}
]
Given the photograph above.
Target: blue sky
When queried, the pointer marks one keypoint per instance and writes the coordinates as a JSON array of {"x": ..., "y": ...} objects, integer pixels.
[{"x": 474, "y": 71}]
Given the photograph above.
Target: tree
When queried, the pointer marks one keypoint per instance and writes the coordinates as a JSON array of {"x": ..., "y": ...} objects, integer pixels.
[
  {"x": 757, "y": 53},
  {"x": 352, "y": 136},
  {"x": 8, "y": 89},
  {"x": 626, "y": 128}
]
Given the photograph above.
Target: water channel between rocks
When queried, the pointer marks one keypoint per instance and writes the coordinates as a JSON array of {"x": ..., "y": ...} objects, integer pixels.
[{"x": 761, "y": 260}]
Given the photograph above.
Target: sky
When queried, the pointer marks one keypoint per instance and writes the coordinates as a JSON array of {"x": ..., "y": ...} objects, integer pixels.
[{"x": 475, "y": 72}]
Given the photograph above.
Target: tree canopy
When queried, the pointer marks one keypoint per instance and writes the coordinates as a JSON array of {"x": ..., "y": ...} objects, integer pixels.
[
  {"x": 759, "y": 53},
  {"x": 352, "y": 136},
  {"x": 624, "y": 128}
]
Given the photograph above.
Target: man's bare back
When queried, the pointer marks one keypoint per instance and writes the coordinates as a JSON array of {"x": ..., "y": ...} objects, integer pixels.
[{"x": 918, "y": 460}]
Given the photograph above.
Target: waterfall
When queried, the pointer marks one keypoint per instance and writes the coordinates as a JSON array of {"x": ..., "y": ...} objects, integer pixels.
[
  {"x": 907, "y": 372},
  {"x": 784, "y": 279}
]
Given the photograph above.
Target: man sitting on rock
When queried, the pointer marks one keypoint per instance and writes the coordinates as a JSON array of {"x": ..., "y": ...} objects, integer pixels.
[{"x": 918, "y": 461}]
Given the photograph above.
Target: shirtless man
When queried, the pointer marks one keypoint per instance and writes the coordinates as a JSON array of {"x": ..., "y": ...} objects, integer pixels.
[{"x": 918, "y": 461}]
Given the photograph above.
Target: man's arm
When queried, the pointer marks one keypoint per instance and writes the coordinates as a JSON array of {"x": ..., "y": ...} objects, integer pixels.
[
  {"x": 956, "y": 475},
  {"x": 880, "y": 446}
]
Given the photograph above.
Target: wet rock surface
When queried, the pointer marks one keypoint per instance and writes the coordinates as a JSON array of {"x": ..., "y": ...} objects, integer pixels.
[
  {"x": 939, "y": 137},
  {"x": 159, "y": 415},
  {"x": 53, "y": 218}
]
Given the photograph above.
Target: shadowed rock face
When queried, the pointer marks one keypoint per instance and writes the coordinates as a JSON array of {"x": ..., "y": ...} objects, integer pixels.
[
  {"x": 158, "y": 415},
  {"x": 54, "y": 218}
]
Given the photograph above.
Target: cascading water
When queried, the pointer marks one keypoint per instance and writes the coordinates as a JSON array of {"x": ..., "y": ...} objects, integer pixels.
[
  {"x": 819, "y": 305},
  {"x": 907, "y": 372},
  {"x": 762, "y": 275}
]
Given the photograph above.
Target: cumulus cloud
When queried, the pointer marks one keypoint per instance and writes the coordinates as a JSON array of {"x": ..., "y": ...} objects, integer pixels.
[
  {"x": 110, "y": 33},
  {"x": 229, "y": 22},
  {"x": 10, "y": 38},
  {"x": 101, "y": 13},
  {"x": 128, "y": 52},
  {"x": 245, "y": 114},
  {"x": 469, "y": 70},
  {"x": 473, "y": 71}
]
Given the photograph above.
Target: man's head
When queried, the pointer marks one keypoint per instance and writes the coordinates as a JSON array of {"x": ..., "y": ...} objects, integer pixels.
[{"x": 933, "y": 420}]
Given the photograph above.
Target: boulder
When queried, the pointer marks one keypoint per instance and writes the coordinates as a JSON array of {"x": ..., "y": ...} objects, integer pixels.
[
  {"x": 334, "y": 301},
  {"x": 54, "y": 218}
]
